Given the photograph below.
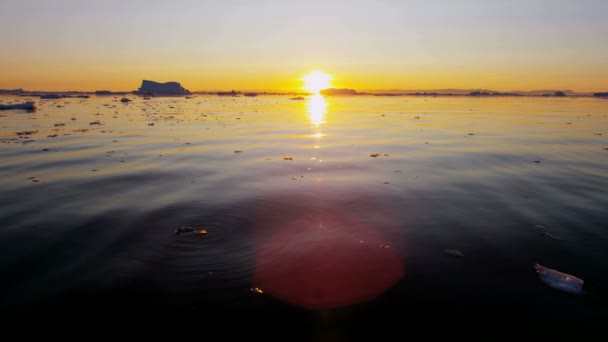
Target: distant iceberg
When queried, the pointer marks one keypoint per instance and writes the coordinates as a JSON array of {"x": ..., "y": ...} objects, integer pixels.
[
  {"x": 156, "y": 88},
  {"x": 334, "y": 91},
  {"x": 11, "y": 91}
]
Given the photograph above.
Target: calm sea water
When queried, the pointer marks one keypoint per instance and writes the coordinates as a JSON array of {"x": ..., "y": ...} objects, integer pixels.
[{"x": 302, "y": 222}]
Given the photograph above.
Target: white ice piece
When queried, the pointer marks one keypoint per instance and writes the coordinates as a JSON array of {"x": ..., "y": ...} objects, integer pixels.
[{"x": 560, "y": 281}]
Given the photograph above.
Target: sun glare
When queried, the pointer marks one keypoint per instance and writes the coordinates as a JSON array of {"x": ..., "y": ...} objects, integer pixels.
[
  {"x": 316, "y": 81},
  {"x": 317, "y": 107}
]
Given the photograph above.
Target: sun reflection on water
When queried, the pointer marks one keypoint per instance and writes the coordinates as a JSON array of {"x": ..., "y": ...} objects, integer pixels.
[{"x": 317, "y": 108}]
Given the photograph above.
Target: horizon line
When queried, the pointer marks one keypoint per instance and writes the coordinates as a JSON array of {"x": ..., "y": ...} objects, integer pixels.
[{"x": 302, "y": 91}]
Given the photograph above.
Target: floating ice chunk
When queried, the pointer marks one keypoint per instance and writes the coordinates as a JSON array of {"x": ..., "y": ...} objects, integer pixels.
[
  {"x": 543, "y": 230},
  {"x": 453, "y": 252},
  {"x": 183, "y": 230},
  {"x": 552, "y": 236},
  {"x": 560, "y": 281},
  {"x": 30, "y": 105}
]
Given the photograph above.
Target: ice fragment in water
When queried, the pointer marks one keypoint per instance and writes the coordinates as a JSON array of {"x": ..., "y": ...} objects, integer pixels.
[
  {"x": 560, "y": 281},
  {"x": 453, "y": 252}
]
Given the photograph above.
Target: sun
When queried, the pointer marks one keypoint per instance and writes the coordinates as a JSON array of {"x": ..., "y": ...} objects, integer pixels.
[{"x": 316, "y": 81}]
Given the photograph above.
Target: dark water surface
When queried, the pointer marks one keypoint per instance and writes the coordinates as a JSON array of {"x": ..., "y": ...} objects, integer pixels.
[{"x": 329, "y": 238}]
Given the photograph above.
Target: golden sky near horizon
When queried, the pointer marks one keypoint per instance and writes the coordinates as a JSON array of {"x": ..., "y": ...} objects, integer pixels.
[{"x": 270, "y": 45}]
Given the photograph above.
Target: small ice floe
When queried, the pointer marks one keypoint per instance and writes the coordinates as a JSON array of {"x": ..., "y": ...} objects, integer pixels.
[
  {"x": 453, "y": 252},
  {"x": 560, "y": 281},
  {"x": 50, "y": 96},
  {"x": 199, "y": 232},
  {"x": 30, "y": 105},
  {"x": 257, "y": 290},
  {"x": 25, "y": 133},
  {"x": 543, "y": 230},
  {"x": 546, "y": 233},
  {"x": 183, "y": 230}
]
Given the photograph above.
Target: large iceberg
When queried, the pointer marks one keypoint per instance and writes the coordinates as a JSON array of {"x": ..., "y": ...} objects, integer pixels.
[{"x": 156, "y": 88}]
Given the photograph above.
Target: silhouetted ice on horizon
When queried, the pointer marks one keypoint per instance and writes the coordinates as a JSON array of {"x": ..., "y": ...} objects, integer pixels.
[
  {"x": 335, "y": 91},
  {"x": 156, "y": 88}
]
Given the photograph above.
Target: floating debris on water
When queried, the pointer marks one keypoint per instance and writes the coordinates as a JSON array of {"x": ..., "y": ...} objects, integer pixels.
[
  {"x": 238, "y": 151},
  {"x": 125, "y": 100},
  {"x": 22, "y": 133},
  {"x": 96, "y": 122},
  {"x": 287, "y": 158},
  {"x": 374, "y": 155},
  {"x": 187, "y": 229},
  {"x": 543, "y": 230},
  {"x": 552, "y": 236},
  {"x": 183, "y": 230},
  {"x": 298, "y": 98},
  {"x": 559, "y": 280},
  {"x": 201, "y": 232},
  {"x": 453, "y": 252},
  {"x": 537, "y": 161},
  {"x": 257, "y": 290}
]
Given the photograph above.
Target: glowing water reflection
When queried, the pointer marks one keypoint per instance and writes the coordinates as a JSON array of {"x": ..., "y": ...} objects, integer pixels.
[{"x": 317, "y": 108}]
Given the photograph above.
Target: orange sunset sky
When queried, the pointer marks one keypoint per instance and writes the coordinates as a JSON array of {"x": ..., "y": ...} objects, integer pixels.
[{"x": 269, "y": 45}]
